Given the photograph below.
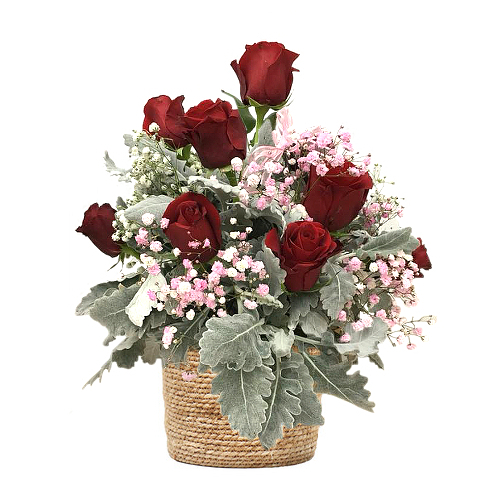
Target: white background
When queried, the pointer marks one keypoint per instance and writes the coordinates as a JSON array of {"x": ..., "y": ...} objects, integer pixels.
[{"x": 416, "y": 84}]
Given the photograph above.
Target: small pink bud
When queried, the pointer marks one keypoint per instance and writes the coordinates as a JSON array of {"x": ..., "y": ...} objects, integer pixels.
[{"x": 188, "y": 376}]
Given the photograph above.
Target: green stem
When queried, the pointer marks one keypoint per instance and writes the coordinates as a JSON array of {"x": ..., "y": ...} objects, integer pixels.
[
  {"x": 260, "y": 112},
  {"x": 231, "y": 176}
]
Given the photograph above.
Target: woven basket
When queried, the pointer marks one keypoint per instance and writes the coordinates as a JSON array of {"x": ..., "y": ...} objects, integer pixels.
[{"x": 197, "y": 432}]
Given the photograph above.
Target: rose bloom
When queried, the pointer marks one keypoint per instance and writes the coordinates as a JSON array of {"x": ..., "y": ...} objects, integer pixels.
[
  {"x": 168, "y": 114},
  {"x": 336, "y": 198},
  {"x": 421, "y": 258},
  {"x": 265, "y": 73},
  {"x": 303, "y": 250},
  {"x": 193, "y": 218},
  {"x": 97, "y": 226},
  {"x": 217, "y": 133}
]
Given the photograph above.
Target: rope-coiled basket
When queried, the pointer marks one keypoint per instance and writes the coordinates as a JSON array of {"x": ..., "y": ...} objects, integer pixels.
[{"x": 197, "y": 432}]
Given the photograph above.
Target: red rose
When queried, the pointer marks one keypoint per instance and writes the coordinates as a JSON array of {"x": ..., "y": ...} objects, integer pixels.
[
  {"x": 265, "y": 73},
  {"x": 97, "y": 225},
  {"x": 168, "y": 114},
  {"x": 216, "y": 132},
  {"x": 193, "y": 218},
  {"x": 303, "y": 250},
  {"x": 421, "y": 258},
  {"x": 336, "y": 198}
]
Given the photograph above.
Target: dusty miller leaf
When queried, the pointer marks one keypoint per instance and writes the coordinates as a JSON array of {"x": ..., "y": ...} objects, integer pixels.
[
  {"x": 388, "y": 243},
  {"x": 96, "y": 292},
  {"x": 109, "y": 310},
  {"x": 155, "y": 205},
  {"x": 364, "y": 342},
  {"x": 124, "y": 355},
  {"x": 223, "y": 190},
  {"x": 100, "y": 373},
  {"x": 340, "y": 290},
  {"x": 111, "y": 167},
  {"x": 242, "y": 397},
  {"x": 279, "y": 317},
  {"x": 100, "y": 290},
  {"x": 330, "y": 377},
  {"x": 235, "y": 341},
  {"x": 281, "y": 341},
  {"x": 375, "y": 358},
  {"x": 309, "y": 403},
  {"x": 152, "y": 351},
  {"x": 282, "y": 403},
  {"x": 266, "y": 133},
  {"x": 314, "y": 324},
  {"x": 300, "y": 305},
  {"x": 276, "y": 274}
]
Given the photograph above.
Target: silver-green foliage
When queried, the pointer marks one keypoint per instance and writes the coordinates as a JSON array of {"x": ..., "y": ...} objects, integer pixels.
[
  {"x": 155, "y": 205},
  {"x": 276, "y": 274},
  {"x": 112, "y": 169},
  {"x": 223, "y": 190},
  {"x": 388, "y": 243},
  {"x": 109, "y": 310},
  {"x": 292, "y": 400},
  {"x": 310, "y": 405},
  {"x": 234, "y": 341},
  {"x": 338, "y": 291},
  {"x": 314, "y": 323},
  {"x": 300, "y": 305},
  {"x": 364, "y": 342},
  {"x": 125, "y": 354},
  {"x": 242, "y": 396},
  {"x": 100, "y": 290},
  {"x": 330, "y": 376},
  {"x": 281, "y": 341},
  {"x": 282, "y": 404}
]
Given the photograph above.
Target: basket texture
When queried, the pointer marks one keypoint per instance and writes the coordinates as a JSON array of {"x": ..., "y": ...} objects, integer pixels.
[{"x": 197, "y": 432}]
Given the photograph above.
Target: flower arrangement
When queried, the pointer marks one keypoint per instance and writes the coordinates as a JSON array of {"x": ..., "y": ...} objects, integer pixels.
[{"x": 273, "y": 252}]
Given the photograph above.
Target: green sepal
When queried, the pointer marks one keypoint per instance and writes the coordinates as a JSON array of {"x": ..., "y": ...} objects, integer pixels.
[
  {"x": 246, "y": 117},
  {"x": 184, "y": 153}
]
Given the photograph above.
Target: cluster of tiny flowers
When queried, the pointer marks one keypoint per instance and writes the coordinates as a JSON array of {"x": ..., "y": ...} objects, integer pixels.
[
  {"x": 381, "y": 209},
  {"x": 396, "y": 275},
  {"x": 187, "y": 294},
  {"x": 266, "y": 181},
  {"x": 150, "y": 171},
  {"x": 320, "y": 150},
  {"x": 124, "y": 228},
  {"x": 238, "y": 234},
  {"x": 152, "y": 168},
  {"x": 408, "y": 331},
  {"x": 392, "y": 276},
  {"x": 147, "y": 236}
]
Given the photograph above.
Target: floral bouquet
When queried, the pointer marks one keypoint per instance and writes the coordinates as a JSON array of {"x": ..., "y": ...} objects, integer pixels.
[{"x": 260, "y": 260}]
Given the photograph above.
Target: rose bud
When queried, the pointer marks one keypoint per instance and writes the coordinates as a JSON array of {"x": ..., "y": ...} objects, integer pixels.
[
  {"x": 97, "y": 225},
  {"x": 265, "y": 73},
  {"x": 216, "y": 132},
  {"x": 303, "y": 250},
  {"x": 193, "y": 219},
  {"x": 168, "y": 114},
  {"x": 336, "y": 198},
  {"x": 421, "y": 258}
]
